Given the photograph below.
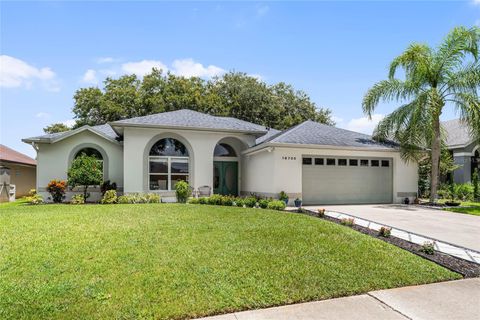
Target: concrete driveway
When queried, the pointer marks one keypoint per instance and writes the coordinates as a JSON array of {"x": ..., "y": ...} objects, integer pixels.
[{"x": 455, "y": 228}]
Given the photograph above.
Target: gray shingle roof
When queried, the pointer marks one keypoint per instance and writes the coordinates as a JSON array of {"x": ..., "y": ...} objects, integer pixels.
[
  {"x": 457, "y": 133},
  {"x": 103, "y": 129},
  {"x": 270, "y": 133},
  {"x": 192, "y": 119},
  {"x": 314, "y": 133}
]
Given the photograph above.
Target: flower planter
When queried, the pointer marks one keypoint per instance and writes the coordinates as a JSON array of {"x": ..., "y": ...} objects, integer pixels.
[{"x": 298, "y": 203}]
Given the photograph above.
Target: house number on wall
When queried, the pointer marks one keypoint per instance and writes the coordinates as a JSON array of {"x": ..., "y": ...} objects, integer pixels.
[{"x": 288, "y": 158}]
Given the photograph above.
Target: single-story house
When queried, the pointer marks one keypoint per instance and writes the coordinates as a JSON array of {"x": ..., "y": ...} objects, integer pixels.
[
  {"x": 318, "y": 163},
  {"x": 464, "y": 149},
  {"x": 20, "y": 170}
]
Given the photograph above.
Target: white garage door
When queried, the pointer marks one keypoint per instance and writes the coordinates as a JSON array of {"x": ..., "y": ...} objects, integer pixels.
[{"x": 341, "y": 180}]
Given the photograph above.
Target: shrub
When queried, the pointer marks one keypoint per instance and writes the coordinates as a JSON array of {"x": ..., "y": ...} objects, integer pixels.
[
  {"x": 105, "y": 186},
  {"x": 428, "y": 247},
  {"x": 250, "y": 202},
  {"x": 227, "y": 201},
  {"x": 276, "y": 205},
  {"x": 137, "y": 198},
  {"x": 109, "y": 197},
  {"x": 320, "y": 213},
  {"x": 77, "y": 199},
  {"x": 123, "y": 200},
  {"x": 34, "y": 198},
  {"x": 203, "y": 200},
  {"x": 152, "y": 198},
  {"x": 385, "y": 232},
  {"x": 347, "y": 222},
  {"x": 215, "y": 199},
  {"x": 476, "y": 185},
  {"x": 57, "y": 188},
  {"x": 194, "y": 201},
  {"x": 182, "y": 191},
  {"x": 85, "y": 171},
  {"x": 239, "y": 202},
  {"x": 263, "y": 203},
  {"x": 463, "y": 191},
  {"x": 282, "y": 196}
]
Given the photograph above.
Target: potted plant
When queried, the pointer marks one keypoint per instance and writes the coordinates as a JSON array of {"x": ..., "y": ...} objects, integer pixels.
[
  {"x": 298, "y": 202},
  {"x": 282, "y": 196}
]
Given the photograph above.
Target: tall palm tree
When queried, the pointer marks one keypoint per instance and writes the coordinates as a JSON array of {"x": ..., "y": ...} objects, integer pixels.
[{"x": 432, "y": 79}]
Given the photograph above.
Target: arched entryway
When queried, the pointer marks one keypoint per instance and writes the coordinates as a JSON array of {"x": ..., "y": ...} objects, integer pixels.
[{"x": 226, "y": 167}]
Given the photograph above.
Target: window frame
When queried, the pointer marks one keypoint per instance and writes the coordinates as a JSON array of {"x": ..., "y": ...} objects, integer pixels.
[
  {"x": 320, "y": 160},
  {"x": 331, "y": 164},
  {"x": 353, "y": 165},
  {"x": 169, "y": 173},
  {"x": 364, "y": 165},
  {"x": 377, "y": 165},
  {"x": 307, "y": 164}
]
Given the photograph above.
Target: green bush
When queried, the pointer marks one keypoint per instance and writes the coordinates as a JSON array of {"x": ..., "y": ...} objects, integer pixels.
[
  {"x": 194, "y": 201},
  {"x": 250, "y": 202},
  {"x": 463, "y": 191},
  {"x": 34, "y": 198},
  {"x": 215, "y": 199},
  {"x": 203, "y": 200},
  {"x": 428, "y": 247},
  {"x": 227, "y": 201},
  {"x": 349, "y": 222},
  {"x": 263, "y": 203},
  {"x": 282, "y": 196},
  {"x": 239, "y": 202},
  {"x": 385, "y": 232},
  {"x": 109, "y": 197},
  {"x": 182, "y": 191},
  {"x": 153, "y": 198},
  {"x": 78, "y": 199},
  {"x": 123, "y": 200},
  {"x": 276, "y": 205}
]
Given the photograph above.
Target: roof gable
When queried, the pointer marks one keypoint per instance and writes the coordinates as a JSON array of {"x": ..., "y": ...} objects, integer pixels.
[
  {"x": 104, "y": 131},
  {"x": 190, "y": 119},
  {"x": 314, "y": 133}
]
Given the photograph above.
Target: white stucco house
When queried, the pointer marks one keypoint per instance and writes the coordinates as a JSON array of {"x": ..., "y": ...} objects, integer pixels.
[{"x": 318, "y": 163}]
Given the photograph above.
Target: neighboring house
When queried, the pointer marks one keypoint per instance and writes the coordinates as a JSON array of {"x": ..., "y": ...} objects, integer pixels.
[
  {"x": 318, "y": 163},
  {"x": 22, "y": 170},
  {"x": 465, "y": 150}
]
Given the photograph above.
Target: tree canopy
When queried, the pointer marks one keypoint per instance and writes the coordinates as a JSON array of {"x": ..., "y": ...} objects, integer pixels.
[
  {"x": 55, "y": 128},
  {"x": 234, "y": 94},
  {"x": 433, "y": 79}
]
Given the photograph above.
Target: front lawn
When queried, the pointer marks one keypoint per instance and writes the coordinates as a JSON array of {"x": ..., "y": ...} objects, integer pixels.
[
  {"x": 469, "y": 208},
  {"x": 175, "y": 261}
]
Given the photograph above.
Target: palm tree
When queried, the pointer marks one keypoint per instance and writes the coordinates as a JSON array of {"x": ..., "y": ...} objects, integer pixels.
[{"x": 448, "y": 76}]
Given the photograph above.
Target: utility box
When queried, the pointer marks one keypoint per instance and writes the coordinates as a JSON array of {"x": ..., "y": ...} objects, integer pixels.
[{"x": 7, "y": 190}]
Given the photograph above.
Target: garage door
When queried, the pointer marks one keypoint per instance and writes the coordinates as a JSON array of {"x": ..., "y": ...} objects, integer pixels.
[{"x": 337, "y": 180}]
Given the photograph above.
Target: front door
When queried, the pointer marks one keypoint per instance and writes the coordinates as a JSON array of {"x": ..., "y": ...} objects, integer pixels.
[{"x": 225, "y": 177}]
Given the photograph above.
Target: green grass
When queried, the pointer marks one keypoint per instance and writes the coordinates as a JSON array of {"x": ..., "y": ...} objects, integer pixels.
[
  {"x": 177, "y": 261},
  {"x": 474, "y": 208}
]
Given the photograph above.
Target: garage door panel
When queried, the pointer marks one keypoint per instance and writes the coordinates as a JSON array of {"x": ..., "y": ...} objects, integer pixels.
[{"x": 324, "y": 184}]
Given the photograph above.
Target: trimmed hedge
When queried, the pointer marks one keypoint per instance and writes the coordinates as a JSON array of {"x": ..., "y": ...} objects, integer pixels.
[{"x": 248, "y": 202}]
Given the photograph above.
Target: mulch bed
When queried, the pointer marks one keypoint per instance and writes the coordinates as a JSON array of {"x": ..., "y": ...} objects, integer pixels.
[{"x": 466, "y": 268}]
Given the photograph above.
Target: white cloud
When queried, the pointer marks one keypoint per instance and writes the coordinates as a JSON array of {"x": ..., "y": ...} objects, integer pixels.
[
  {"x": 476, "y": 2},
  {"x": 105, "y": 60},
  {"x": 262, "y": 10},
  {"x": 141, "y": 68},
  {"x": 189, "y": 68},
  {"x": 362, "y": 124},
  {"x": 90, "y": 76},
  {"x": 43, "y": 115},
  {"x": 17, "y": 73}
]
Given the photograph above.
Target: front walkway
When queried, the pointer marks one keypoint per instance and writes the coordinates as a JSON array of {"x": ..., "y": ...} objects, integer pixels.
[
  {"x": 447, "y": 300},
  {"x": 454, "y": 233}
]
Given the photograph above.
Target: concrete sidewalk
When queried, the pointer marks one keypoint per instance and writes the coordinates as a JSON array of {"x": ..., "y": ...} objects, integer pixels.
[{"x": 446, "y": 300}]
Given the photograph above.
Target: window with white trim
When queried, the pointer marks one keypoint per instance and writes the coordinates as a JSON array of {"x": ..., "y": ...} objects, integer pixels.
[{"x": 168, "y": 164}]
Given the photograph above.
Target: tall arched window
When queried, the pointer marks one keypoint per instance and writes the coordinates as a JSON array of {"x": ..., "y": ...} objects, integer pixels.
[{"x": 168, "y": 164}]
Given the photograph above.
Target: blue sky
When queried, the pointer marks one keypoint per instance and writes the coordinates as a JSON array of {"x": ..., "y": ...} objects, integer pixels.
[{"x": 332, "y": 50}]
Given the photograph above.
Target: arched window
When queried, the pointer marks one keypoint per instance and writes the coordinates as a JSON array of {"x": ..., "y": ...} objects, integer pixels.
[
  {"x": 224, "y": 150},
  {"x": 168, "y": 164}
]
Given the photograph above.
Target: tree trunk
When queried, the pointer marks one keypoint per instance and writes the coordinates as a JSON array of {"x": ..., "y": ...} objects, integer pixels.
[
  {"x": 85, "y": 193},
  {"x": 436, "y": 144}
]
